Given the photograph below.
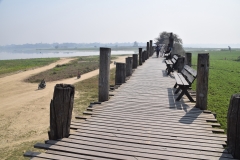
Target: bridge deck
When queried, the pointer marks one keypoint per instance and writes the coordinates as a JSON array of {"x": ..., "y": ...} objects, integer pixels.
[{"x": 142, "y": 121}]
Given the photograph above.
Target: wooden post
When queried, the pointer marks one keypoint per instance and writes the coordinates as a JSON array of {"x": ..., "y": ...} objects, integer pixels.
[
  {"x": 129, "y": 66},
  {"x": 171, "y": 42},
  {"x": 104, "y": 68},
  {"x": 188, "y": 59},
  {"x": 202, "y": 81},
  {"x": 147, "y": 55},
  {"x": 143, "y": 56},
  {"x": 150, "y": 48},
  {"x": 180, "y": 64},
  {"x": 233, "y": 126},
  {"x": 61, "y": 107},
  {"x": 135, "y": 61},
  {"x": 140, "y": 56},
  {"x": 120, "y": 76}
]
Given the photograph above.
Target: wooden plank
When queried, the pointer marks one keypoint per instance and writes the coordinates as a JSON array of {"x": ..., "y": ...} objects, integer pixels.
[
  {"x": 133, "y": 150},
  {"x": 48, "y": 156},
  {"x": 189, "y": 142},
  {"x": 150, "y": 147},
  {"x": 191, "y": 70},
  {"x": 122, "y": 138},
  {"x": 152, "y": 120},
  {"x": 165, "y": 130},
  {"x": 75, "y": 155},
  {"x": 161, "y": 135},
  {"x": 82, "y": 151},
  {"x": 152, "y": 123},
  {"x": 115, "y": 150}
]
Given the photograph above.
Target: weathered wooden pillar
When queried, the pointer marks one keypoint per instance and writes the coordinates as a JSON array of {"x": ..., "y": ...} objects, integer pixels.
[
  {"x": 150, "y": 48},
  {"x": 188, "y": 59},
  {"x": 135, "y": 61},
  {"x": 129, "y": 66},
  {"x": 104, "y": 70},
  {"x": 147, "y": 55},
  {"x": 120, "y": 76},
  {"x": 202, "y": 81},
  {"x": 61, "y": 107},
  {"x": 143, "y": 56},
  {"x": 171, "y": 42},
  {"x": 180, "y": 64},
  {"x": 140, "y": 56},
  {"x": 233, "y": 126}
]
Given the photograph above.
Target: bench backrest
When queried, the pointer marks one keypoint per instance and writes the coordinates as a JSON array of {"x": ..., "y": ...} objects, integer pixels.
[
  {"x": 189, "y": 73},
  {"x": 175, "y": 57},
  {"x": 173, "y": 60}
]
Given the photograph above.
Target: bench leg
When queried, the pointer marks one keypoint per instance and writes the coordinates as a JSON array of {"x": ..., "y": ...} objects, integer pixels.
[
  {"x": 184, "y": 91},
  {"x": 178, "y": 89},
  {"x": 175, "y": 86},
  {"x": 188, "y": 95}
]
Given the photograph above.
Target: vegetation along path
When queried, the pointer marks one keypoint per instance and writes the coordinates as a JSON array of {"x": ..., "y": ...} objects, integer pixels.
[
  {"x": 25, "y": 109},
  {"x": 142, "y": 121}
]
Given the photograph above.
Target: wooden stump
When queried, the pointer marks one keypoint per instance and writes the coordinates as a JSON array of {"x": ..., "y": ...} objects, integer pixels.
[
  {"x": 120, "y": 76},
  {"x": 104, "y": 71},
  {"x": 188, "y": 59},
  {"x": 135, "y": 61},
  {"x": 140, "y": 56},
  {"x": 233, "y": 126},
  {"x": 180, "y": 64},
  {"x": 202, "y": 81},
  {"x": 61, "y": 107},
  {"x": 129, "y": 66}
]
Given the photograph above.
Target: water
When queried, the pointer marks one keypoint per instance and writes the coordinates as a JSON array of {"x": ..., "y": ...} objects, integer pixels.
[{"x": 27, "y": 54}]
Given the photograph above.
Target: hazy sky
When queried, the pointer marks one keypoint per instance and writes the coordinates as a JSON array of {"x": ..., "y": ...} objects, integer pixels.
[{"x": 110, "y": 21}]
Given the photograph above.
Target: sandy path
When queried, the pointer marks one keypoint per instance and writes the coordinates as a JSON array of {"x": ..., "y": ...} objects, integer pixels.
[{"x": 24, "y": 109}]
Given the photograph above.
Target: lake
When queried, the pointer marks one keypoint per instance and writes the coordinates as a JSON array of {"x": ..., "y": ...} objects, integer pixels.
[{"x": 26, "y": 54}]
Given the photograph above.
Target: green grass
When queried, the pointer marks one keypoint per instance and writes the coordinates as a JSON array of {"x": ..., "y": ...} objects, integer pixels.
[
  {"x": 88, "y": 92},
  {"x": 84, "y": 64},
  {"x": 17, "y": 151},
  {"x": 11, "y": 66},
  {"x": 224, "y": 76}
]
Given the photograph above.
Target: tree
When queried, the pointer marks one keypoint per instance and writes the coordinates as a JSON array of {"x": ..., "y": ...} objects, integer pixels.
[
  {"x": 163, "y": 38},
  {"x": 135, "y": 44}
]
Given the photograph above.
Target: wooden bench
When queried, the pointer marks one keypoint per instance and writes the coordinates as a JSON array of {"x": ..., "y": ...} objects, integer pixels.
[
  {"x": 167, "y": 55},
  {"x": 170, "y": 64},
  {"x": 184, "y": 80}
]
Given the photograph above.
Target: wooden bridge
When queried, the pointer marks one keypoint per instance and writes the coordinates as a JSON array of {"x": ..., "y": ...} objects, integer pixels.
[{"x": 142, "y": 121}]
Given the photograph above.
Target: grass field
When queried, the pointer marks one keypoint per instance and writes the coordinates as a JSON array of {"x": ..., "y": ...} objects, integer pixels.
[
  {"x": 84, "y": 64},
  {"x": 88, "y": 92},
  {"x": 11, "y": 66},
  {"x": 224, "y": 76}
]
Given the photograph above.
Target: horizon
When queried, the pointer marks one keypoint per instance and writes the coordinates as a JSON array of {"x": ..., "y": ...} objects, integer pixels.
[{"x": 79, "y": 21}]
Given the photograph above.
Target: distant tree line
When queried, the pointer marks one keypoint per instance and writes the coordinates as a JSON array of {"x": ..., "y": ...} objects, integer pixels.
[{"x": 71, "y": 45}]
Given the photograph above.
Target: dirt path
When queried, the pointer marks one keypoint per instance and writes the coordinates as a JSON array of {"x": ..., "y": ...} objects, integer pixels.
[{"x": 24, "y": 109}]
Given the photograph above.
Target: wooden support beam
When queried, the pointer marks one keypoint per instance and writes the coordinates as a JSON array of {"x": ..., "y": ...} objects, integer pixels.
[
  {"x": 202, "y": 81},
  {"x": 120, "y": 76},
  {"x": 104, "y": 70},
  {"x": 233, "y": 126},
  {"x": 188, "y": 59},
  {"x": 147, "y": 55},
  {"x": 140, "y": 56},
  {"x": 129, "y": 66},
  {"x": 135, "y": 61}
]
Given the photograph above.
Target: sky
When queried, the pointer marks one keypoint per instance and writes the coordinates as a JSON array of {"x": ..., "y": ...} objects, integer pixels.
[{"x": 110, "y": 21}]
